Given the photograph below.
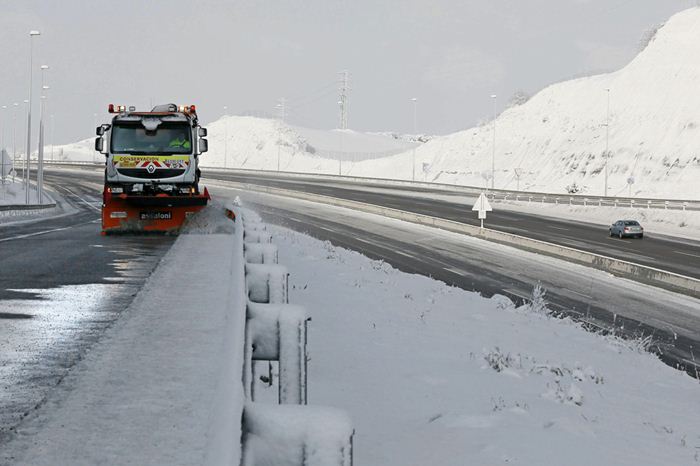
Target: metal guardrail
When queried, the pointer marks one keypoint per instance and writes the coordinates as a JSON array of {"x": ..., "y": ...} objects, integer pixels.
[
  {"x": 289, "y": 432},
  {"x": 26, "y": 207},
  {"x": 494, "y": 194}
]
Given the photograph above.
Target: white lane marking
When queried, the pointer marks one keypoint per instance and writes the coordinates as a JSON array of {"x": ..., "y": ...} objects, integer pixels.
[
  {"x": 581, "y": 294},
  {"x": 454, "y": 270},
  {"x": 559, "y": 228},
  {"x": 687, "y": 254},
  {"x": 87, "y": 203},
  {"x": 28, "y": 235}
]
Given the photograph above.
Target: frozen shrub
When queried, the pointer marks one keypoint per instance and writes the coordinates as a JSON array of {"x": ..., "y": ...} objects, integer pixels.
[
  {"x": 499, "y": 361},
  {"x": 538, "y": 303}
]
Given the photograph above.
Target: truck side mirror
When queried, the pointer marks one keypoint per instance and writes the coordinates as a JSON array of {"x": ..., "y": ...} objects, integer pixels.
[
  {"x": 202, "y": 132},
  {"x": 99, "y": 143},
  {"x": 203, "y": 145},
  {"x": 99, "y": 130}
]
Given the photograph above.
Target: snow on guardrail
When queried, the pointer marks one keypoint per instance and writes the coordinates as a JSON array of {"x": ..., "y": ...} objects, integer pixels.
[{"x": 281, "y": 430}]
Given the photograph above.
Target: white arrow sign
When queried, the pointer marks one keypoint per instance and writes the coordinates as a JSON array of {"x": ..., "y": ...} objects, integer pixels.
[{"x": 482, "y": 206}]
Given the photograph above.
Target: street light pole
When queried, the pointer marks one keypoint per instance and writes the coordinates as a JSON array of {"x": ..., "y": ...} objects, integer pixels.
[
  {"x": 14, "y": 140},
  {"x": 42, "y": 108},
  {"x": 32, "y": 34},
  {"x": 415, "y": 110},
  {"x": 53, "y": 128},
  {"x": 607, "y": 139},
  {"x": 493, "y": 152},
  {"x": 3, "y": 152}
]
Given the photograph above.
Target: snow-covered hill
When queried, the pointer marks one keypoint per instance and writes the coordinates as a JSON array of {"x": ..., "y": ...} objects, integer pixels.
[{"x": 558, "y": 137}]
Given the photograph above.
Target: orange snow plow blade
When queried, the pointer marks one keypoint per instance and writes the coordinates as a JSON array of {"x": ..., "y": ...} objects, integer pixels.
[{"x": 161, "y": 213}]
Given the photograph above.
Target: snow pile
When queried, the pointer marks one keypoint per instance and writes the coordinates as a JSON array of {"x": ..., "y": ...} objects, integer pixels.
[
  {"x": 257, "y": 143},
  {"x": 432, "y": 374},
  {"x": 15, "y": 193},
  {"x": 81, "y": 151},
  {"x": 558, "y": 137},
  {"x": 209, "y": 221}
]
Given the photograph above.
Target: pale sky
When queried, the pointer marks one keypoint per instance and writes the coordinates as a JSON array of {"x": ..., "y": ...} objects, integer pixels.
[{"x": 449, "y": 54}]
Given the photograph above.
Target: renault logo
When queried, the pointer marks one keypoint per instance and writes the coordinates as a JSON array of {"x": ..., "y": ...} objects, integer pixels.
[{"x": 150, "y": 169}]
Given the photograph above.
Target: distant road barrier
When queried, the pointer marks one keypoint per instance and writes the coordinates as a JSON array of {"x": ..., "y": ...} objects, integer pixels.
[
  {"x": 494, "y": 194},
  {"x": 26, "y": 207}
]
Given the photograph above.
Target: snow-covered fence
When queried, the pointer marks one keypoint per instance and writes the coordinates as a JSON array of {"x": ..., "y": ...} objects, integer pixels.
[
  {"x": 260, "y": 253},
  {"x": 291, "y": 435},
  {"x": 267, "y": 283},
  {"x": 276, "y": 331}
]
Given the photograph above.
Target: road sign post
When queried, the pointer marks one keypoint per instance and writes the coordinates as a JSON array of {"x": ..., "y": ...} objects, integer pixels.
[{"x": 482, "y": 206}]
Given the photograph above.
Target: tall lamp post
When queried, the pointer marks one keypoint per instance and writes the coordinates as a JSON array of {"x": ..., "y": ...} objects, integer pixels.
[
  {"x": 32, "y": 34},
  {"x": 607, "y": 139},
  {"x": 42, "y": 108},
  {"x": 14, "y": 140},
  {"x": 3, "y": 152},
  {"x": 493, "y": 149},
  {"x": 53, "y": 128},
  {"x": 415, "y": 112}
]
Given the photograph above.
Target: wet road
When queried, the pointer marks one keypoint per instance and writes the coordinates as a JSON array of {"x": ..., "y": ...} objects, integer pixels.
[
  {"x": 681, "y": 256},
  {"x": 61, "y": 286}
]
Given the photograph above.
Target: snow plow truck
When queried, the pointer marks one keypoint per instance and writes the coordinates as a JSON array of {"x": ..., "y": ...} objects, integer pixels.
[{"x": 152, "y": 168}]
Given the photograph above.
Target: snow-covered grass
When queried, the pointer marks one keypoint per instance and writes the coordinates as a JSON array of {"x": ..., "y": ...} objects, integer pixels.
[
  {"x": 436, "y": 375},
  {"x": 14, "y": 193}
]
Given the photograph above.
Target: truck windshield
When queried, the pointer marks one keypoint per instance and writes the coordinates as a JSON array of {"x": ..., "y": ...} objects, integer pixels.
[{"x": 169, "y": 138}]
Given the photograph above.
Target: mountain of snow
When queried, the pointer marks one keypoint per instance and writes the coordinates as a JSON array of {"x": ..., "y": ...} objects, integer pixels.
[{"x": 558, "y": 137}]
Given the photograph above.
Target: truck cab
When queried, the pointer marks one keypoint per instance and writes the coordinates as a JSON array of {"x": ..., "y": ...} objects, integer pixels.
[{"x": 150, "y": 153}]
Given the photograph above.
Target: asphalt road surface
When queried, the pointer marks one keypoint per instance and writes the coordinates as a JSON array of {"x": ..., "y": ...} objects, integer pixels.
[
  {"x": 61, "y": 286},
  {"x": 674, "y": 255}
]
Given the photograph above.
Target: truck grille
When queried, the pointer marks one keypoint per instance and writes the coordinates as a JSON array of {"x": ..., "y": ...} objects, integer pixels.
[{"x": 158, "y": 174}]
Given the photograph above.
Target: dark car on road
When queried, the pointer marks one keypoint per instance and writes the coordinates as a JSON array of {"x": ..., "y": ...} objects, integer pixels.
[{"x": 627, "y": 228}]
